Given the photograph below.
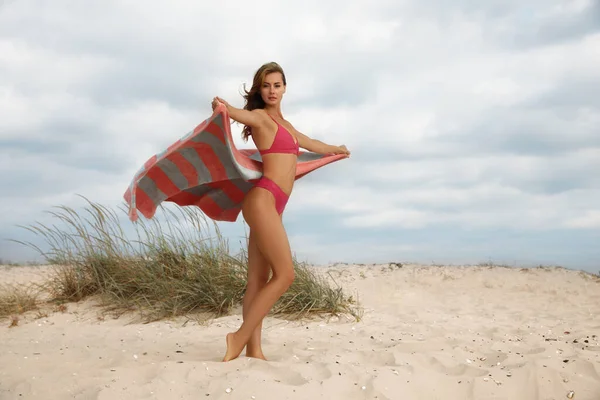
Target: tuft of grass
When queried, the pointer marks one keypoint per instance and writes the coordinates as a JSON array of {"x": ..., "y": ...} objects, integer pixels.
[
  {"x": 176, "y": 264},
  {"x": 17, "y": 300},
  {"x": 311, "y": 294},
  {"x": 588, "y": 276},
  {"x": 491, "y": 264},
  {"x": 14, "y": 321}
]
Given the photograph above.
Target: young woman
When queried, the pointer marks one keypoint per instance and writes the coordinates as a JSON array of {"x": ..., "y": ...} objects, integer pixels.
[{"x": 268, "y": 249}]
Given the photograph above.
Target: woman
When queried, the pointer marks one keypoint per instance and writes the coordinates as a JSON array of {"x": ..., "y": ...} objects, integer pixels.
[{"x": 268, "y": 248}]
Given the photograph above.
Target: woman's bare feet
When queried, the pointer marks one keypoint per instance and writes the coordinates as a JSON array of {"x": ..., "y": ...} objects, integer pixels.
[
  {"x": 234, "y": 347},
  {"x": 254, "y": 350},
  {"x": 256, "y": 354}
]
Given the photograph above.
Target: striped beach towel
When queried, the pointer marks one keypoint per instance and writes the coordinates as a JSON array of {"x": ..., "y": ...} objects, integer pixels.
[{"x": 205, "y": 169}]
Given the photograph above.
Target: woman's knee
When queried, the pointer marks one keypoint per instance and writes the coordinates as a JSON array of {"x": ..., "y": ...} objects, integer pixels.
[
  {"x": 257, "y": 280},
  {"x": 286, "y": 277}
]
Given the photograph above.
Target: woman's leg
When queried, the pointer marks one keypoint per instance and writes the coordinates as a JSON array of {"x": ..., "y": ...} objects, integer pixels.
[
  {"x": 258, "y": 275},
  {"x": 271, "y": 240}
]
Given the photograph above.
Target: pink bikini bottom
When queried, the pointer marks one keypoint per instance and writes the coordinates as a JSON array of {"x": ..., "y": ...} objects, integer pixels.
[{"x": 281, "y": 198}]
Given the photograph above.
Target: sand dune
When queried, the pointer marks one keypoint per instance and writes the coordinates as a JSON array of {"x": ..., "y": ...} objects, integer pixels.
[{"x": 427, "y": 332}]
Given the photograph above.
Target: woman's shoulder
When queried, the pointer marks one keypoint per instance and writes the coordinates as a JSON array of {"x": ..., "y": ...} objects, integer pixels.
[
  {"x": 261, "y": 113},
  {"x": 262, "y": 119}
]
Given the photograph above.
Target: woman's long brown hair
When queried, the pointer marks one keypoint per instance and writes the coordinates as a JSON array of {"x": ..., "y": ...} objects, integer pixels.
[{"x": 253, "y": 97}]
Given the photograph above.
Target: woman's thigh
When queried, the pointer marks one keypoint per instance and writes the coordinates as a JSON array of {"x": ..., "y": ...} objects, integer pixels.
[{"x": 267, "y": 230}]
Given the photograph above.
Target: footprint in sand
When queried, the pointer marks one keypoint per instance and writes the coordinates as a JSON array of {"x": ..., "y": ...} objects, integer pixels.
[
  {"x": 288, "y": 376},
  {"x": 587, "y": 369},
  {"x": 492, "y": 359},
  {"x": 21, "y": 387},
  {"x": 455, "y": 370},
  {"x": 316, "y": 371},
  {"x": 293, "y": 375},
  {"x": 537, "y": 350},
  {"x": 374, "y": 358}
]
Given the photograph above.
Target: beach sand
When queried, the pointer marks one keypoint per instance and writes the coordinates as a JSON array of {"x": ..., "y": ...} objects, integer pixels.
[{"x": 428, "y": 332}]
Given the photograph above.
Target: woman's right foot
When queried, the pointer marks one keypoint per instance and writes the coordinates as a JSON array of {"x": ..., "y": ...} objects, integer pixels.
[{"x": 234, "y": 348}]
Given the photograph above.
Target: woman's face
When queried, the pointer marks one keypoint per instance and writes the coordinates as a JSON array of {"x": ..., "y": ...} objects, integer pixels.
[{"x": 272, "y": 89}]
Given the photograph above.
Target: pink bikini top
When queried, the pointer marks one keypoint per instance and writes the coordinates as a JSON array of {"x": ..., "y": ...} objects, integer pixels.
[{"x": 283, "y": 143}]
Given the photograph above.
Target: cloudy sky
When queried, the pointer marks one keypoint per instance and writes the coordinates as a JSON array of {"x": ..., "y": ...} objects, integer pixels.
[{"x": 474, "y": 125}]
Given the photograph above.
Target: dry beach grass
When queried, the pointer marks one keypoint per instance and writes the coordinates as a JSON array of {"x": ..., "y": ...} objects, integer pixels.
[{"x": 176, "y": 265}]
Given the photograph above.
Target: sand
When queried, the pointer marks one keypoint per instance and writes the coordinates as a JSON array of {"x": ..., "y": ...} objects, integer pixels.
[{"x": 428, "y": 332}]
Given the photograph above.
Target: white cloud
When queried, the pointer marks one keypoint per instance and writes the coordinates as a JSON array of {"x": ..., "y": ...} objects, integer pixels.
[
  {"x": 589, "y": 220},
  {"x": 524, "y": 192},
  {"x": 145, "y": 128}
]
